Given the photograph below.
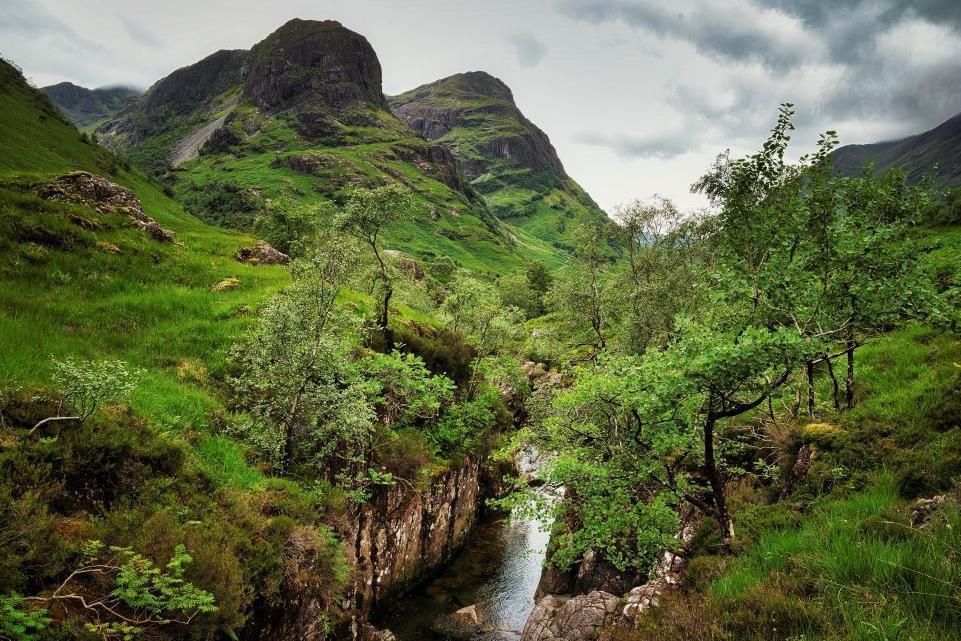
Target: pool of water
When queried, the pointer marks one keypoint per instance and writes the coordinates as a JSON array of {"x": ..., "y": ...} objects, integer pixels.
[{"x": 497, "y": 572}]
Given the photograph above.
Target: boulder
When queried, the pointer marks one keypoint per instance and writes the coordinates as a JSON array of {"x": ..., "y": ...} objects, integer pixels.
[
  {"x": 261, "y": 253},
  {"x": 581, "y": 618}
]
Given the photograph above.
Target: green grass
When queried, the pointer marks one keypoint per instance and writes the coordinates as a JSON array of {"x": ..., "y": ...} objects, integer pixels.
[{"x": 862, "y": 564}]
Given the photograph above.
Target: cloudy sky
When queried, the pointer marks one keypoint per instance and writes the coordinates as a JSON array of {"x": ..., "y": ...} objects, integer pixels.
[{"x": 638, "y": 96}]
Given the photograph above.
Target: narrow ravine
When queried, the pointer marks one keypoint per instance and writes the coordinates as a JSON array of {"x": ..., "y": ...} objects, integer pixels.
[{"x": 486, "y": 592}]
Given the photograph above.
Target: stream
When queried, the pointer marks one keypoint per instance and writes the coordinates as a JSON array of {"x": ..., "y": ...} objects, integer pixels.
[{"x": 497, "y": 572}]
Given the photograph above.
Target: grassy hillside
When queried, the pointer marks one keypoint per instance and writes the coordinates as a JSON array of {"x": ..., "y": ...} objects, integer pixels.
[
  {"x": 111, "y": 292},
  {"x": 508, "y": 160},
  {"x": 162, "y": 468}
]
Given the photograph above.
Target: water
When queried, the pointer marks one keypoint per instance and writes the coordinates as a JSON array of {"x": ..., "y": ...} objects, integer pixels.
[{"x": 497, "y": 572}]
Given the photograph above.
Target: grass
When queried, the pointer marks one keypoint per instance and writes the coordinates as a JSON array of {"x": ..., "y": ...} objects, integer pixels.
[{"x": 863, "y": 564}]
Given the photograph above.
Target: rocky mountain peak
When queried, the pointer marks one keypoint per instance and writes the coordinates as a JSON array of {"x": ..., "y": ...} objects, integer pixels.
[
  {"x": 478, "y": 102},
  {"x": 305, "y": 60},
  {"x": 482, "y": 83}
]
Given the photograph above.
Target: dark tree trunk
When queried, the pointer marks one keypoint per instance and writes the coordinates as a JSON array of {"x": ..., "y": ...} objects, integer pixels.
[
  {"x": 810, "y": 378},
  {"x": 714, "y": 478},
  {"x": 834, "y": 382},
  {"x": 849, "y": 379}
]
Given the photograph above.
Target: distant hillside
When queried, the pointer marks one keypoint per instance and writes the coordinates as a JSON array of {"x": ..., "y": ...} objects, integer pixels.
[
  {"x": 936, "y": 152},
  {"x": 302, "y": 114},
  {"x": 90, "y": 108},
  {"x": 507, "y": 158}
]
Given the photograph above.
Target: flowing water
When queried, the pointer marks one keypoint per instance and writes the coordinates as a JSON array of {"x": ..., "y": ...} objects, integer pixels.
[{"x": 497, "y": 572}]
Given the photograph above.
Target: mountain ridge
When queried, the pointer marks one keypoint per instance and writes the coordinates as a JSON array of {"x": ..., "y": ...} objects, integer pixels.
[
  {"x": 88, "y": 108},
  {"x": 935, "y": 152}
]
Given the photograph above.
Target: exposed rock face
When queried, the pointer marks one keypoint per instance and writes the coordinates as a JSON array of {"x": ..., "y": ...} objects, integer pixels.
[
  {"x": 470, "y": 100},
  {"x": 309, "y": 66},
  {"x": 104, "y": 196},
  {"x": 400, "y": 535},
  {"x": 317, "y": 60},
  {"x": 262, "y": 254},
  {"x": 581, "y": 618},
  {"x": 555, "y": 618}
]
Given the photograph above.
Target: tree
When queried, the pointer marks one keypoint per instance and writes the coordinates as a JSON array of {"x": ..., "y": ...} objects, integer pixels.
[
  {"x": 366, "y": 215},
  {"x": 296, "y": 375},
  {"x": 539, "y": 279},
  {"x": 582, "y": 293},
  {"x": 473, "y": 308},
  {"x": 289, "y": 226},
  {"x": 664, "y": 252}
]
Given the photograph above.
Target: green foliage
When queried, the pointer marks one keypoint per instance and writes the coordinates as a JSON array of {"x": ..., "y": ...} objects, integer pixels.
[
  {"x": 87, "y": 385},
  {"x": 402, "y": 390},
  {"x": 225, "y": 203},
  {"x": 474, "y": 309},
  {"x": 462, "y": 427},
  {"x": 19, "y": 622},
  {"x": 295, "y": 373},
  {"x": 289, "y": 226}
]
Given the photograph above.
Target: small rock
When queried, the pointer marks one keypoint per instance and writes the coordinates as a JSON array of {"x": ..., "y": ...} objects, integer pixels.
[
  {"x": 110, "y": 248},
  {"x": 226, "y": 285},
  {"x": 924, "y": 509}
]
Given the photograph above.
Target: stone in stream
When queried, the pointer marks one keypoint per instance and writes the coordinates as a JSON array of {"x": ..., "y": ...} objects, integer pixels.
[
  {"x": 580, "y": 618},
  {"x": 464, "y": 623}
]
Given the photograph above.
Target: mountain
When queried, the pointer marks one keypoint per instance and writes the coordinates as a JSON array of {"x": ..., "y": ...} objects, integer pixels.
[
  {"x": 302, "y": 114},
  {"x": 937, "y": 152},
  {"x": 507, "y": 158},
  {"x": 90, "y": 108}
]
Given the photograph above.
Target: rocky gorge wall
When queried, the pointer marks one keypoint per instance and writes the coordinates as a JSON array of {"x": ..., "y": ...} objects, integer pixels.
[
  {"x": 402, "y": 535},
  {"x": 396, "y": 540}
]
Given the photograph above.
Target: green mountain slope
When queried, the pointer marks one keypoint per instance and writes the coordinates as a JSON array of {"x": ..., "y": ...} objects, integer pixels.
[
  {"x": 936, "y": 152},
  {"x": 302, "y": 115},
  {"x": 90, "y": 108},
  {"x": 507, "y": 158}
]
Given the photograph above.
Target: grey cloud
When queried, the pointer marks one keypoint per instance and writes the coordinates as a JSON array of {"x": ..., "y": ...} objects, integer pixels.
[
  {"x": 661, "y": 145},
  {"x": 27, "y": 19},
  {"x": 530, "y": 50},
  {"x": 139, "y": 33},
  {"x": 714, "y": 29}
]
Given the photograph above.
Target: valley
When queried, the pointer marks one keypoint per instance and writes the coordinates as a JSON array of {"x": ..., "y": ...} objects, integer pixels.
[{"x": 284, "y": 357}]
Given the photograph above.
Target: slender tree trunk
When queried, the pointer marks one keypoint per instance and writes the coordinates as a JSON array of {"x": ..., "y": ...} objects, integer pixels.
[
  {"x": 834, "y": 383},
  {"x": 383, "y": 318},
  {"x": 810, "y": 379},
  {"x": 714, "y": 478},
  {"x": 850, "y": 345},
  {"x": 849, "y": 379}
]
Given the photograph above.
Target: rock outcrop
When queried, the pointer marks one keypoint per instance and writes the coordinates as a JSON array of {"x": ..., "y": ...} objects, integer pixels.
[
  {"x": 581, "y": 618},
  {"x": 98, "y": 193},
  {"x": 315, "y": 61},
  {"x": 400, "y": 536},
  {"x": 473, "y": 100}
]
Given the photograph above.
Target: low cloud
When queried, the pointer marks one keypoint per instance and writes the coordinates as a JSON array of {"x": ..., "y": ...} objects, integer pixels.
[
  {"x": 661, "y": 145},
  {"x": 530, "y": 51}
]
